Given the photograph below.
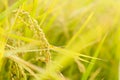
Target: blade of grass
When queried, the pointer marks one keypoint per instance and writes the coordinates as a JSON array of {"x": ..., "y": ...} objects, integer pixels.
[
  {"x": 9, "y": 10},
  {"x": 30, "y": 71},
  {"x": 2, "y": 46},
  {"x": 80, "y": 30},
  {"x": 65, "y": 51},
  {"x": 62, "y": 60},
  {"x": 47, "y": 13},
  {"x": 35, "y": 5},
  {"x": 47, "y": 27},
  {"x": 6, "y": 19},
  {"x": 17, "y": 37},
  {"x": 81, "y": 67},
  {"x": 90, "y": 66}
]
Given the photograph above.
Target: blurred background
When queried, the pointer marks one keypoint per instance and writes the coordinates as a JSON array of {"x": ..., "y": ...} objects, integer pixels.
[{"x": 88, "y": 27}]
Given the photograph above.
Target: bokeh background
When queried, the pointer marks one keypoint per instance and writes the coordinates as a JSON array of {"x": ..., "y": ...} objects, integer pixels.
[{"x": 85, "y": 32}]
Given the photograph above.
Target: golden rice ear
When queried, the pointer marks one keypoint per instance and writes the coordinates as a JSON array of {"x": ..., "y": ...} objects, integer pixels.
[
  {"x": 16, "y": 72},
  {"x": 38, "y": 33}
]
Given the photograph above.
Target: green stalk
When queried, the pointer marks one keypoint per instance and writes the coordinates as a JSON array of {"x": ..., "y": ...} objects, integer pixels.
[
  {"x": 9, "y": 10},
  {"x": 90, "y": 66}
]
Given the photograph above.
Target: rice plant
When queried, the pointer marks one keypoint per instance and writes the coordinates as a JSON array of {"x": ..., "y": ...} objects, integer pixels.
[{"x": 59, "y": 39}]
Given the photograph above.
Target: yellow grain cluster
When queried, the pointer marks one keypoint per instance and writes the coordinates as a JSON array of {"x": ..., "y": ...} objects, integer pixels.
[{"x": 38, "y": 33}]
